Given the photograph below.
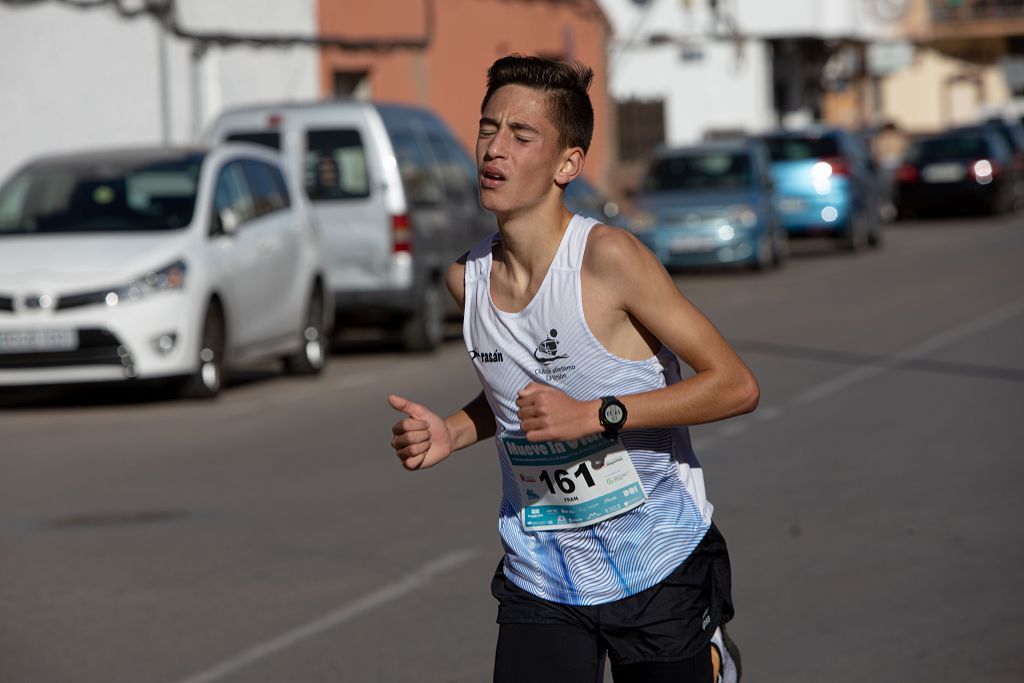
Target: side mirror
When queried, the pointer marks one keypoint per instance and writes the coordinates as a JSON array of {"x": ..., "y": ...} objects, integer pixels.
[{"x": 229, "y": 220}]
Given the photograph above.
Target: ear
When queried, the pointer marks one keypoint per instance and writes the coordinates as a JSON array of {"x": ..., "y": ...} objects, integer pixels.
[{"x": 572, "y": 166}]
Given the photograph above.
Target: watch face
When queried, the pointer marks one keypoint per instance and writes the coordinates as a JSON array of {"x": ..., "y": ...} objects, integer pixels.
[{"x": 613, "y": 414}]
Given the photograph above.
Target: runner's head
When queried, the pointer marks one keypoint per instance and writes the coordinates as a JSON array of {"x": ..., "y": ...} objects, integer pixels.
[
  {"x": 536, "y": 122},
  {"x": 565, "y": 84}
]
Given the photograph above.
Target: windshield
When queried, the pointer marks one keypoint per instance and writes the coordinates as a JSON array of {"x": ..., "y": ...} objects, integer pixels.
[
  {"x": 971, "y": 146},
  {"x": 710, "y": 171},
  {"x": 102, "y": 196},
  {"x": 786, "y": 148}
]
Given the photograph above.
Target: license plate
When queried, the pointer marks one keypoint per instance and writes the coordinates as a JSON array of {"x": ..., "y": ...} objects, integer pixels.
[
  {"x": 693, "y": 243},
  {"x": 943, "y": 173},
  {"x": 792, "y": 205},
  {"x": 29, "y": 341}
]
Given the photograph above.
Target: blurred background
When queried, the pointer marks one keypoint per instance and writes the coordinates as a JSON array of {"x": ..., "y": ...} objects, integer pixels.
[{"x": 874, "y": 148}]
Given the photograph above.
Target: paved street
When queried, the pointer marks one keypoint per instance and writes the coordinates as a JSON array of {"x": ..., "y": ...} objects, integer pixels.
[{"x": 871, "y": 503}]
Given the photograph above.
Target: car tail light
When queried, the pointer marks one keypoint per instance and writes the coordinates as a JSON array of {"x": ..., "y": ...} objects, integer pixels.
[
  {"x": 907, "y": 173},
  {"x": 401, "y": 233},
  {"x": 274, "y": 121},
  {"x": 838, "y": 165},
  {"x": 982, "y": 171}
]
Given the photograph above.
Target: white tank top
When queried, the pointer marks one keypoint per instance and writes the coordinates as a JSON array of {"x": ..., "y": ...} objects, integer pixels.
[{"x": 549, "y": 342}]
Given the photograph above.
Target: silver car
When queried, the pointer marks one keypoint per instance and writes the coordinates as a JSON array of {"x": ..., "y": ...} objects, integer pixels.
[
  {"x": 396, "y": 196},
  {"x": 157, "y": 263}
]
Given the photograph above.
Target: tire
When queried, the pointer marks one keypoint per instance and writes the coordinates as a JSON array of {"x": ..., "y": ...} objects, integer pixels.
[
  {"x": 875, "y": 236},
  {"x": 780, "y": 249},
  {"x": 764, "y": 253},
  {"x": 856, "y": 238},
  {"x": 424, "y": 329},
  {"x": 314, "y": 340},
  {"x": 208, "y": 378}
]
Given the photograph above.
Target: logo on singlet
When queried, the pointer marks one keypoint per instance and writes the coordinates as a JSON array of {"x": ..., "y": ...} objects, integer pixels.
[
  {"x": 547, "y": 351},
  {"x": 486, "y": 356}
]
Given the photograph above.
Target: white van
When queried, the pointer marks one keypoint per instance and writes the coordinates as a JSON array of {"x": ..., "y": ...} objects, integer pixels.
[{"x": 396, "y": 197}]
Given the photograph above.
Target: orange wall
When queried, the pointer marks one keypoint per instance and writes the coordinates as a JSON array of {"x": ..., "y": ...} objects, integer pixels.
[{"x": 450, "y": 75}]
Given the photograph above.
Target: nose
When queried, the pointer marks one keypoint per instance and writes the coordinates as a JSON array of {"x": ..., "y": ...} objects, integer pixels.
[{"x": 497, "y": 145}]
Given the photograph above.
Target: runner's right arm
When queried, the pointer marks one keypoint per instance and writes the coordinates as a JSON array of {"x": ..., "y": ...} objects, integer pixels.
[{"x": 424, "y": 438}]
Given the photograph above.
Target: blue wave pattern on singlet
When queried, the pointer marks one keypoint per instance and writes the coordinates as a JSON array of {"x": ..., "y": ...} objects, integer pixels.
[{"x": 549, "y": 341}]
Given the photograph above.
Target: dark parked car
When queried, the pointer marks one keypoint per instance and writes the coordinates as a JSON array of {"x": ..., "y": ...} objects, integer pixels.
[
  {"x": 710, "y": 204},
  {"x": 827, "y": 185},
  {"x": 964, "y": 168},
  {"x": 1012, "y": 131}
]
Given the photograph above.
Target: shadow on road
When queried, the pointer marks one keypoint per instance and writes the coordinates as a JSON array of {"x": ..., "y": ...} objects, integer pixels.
[{"x": 151, "y": 392}]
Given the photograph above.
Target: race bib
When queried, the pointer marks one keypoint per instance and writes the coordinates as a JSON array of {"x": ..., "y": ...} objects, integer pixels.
[{"x": 572, "y": 484}]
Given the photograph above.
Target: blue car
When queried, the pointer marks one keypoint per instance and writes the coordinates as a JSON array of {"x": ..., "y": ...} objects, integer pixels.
[
  {"x": 710, "y": 205},
  {"x": 826, "y": 185}
]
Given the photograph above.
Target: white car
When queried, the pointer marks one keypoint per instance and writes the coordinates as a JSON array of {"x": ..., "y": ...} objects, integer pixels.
[{"x": 158, "y": 263}]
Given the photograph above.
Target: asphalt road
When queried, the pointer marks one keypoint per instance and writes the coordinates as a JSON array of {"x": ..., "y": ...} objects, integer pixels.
[{"x": 871, "y": 503}]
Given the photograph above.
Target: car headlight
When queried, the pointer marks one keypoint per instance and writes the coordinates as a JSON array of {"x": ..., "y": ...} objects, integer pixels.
[
  {"x": 642, "y": 222},
  {"x": 743, "y": 216},
  {"x": 169, "y": 278}
]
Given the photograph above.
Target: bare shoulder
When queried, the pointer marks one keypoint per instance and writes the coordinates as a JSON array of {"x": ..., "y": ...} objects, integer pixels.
[
  {"x": 616, "y": 252},
  {"x": 455, "y": 279}
]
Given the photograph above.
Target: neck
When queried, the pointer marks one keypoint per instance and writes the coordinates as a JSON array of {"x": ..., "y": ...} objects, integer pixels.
[{"x": 529, "y": 240}]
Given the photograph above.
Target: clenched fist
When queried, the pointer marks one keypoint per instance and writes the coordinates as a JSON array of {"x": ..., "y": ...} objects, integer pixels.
[{"x": 548, "y": 414}]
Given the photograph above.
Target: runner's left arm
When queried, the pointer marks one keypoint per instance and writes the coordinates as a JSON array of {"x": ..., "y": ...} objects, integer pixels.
[{"x": 637, "y": 284}]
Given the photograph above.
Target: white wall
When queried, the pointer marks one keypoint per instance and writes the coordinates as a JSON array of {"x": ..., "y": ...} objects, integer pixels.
[
  {"x": 728, "y": 87},
  {"x": 856, "y": 19},
  {"x": 81, "y": 79}
]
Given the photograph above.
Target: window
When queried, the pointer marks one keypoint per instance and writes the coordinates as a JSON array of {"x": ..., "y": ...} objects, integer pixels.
[
  {"x": 641, "y": 128},
  {"x": 354, "y": 84},
  {"x": 271, "y": 139},
  {"x": 457, "y": 172},
  {"x": 335, "y": 165},
  {"x": 101, "y": 196},
  {"x": 232, "y": 203},
  {"x": 699, "y": 172},
  {"x": 801, "y": 149},
  {"x": 266, "y": 189},
  {"x": 420, "y": 183}
]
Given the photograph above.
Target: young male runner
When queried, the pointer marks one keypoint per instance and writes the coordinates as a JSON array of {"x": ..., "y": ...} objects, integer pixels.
[{"x": 574, "y": 329}]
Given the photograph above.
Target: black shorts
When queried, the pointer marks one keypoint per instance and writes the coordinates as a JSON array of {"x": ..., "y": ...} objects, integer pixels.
[{"x": 672, "y": 621}]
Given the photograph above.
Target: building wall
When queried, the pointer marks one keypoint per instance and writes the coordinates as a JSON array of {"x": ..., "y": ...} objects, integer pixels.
[
  {"x": 921, "y": 98},
  {"x": 450, "y": 75},
  {"x": 665, "y": 50},
  {"x": 80, "y": 79},
  {"x": 847, "y": 19}
]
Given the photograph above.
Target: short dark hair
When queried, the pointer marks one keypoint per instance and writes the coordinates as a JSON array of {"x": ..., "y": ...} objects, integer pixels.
[{"x": 564, "y": 82}]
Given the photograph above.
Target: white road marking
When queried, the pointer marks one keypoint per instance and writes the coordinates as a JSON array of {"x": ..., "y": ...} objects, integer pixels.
[
  {"x": 866, "y": 371},
  {"x": 378, "y": 598}
]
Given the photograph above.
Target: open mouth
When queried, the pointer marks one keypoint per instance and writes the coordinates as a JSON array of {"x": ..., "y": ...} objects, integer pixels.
[{"x": 491, "y": 178}]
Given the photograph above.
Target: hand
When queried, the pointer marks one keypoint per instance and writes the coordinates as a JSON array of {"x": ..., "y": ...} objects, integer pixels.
[
  {"x": 547, "y": 414},
  {"x": 422, "y": 439}
]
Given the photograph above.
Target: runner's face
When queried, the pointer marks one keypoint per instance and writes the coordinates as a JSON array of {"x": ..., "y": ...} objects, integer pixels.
[{"x": 518, "y": 155}]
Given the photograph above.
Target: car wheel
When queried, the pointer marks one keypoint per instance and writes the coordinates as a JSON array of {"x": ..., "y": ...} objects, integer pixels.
[
  {"x": 764, "y": 253},
  {"x": 424, "y": 329},
  {"x": 311, "y": 357},
  {"x": 208, "y": 378},
  {"x": 780, "y": 248},
  {"x": 856, "y": 238},
  {"x": 875, "y": 236}
]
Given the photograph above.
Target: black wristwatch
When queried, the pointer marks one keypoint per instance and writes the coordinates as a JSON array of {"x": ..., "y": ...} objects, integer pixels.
[{"x": 612, "y": 415}]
